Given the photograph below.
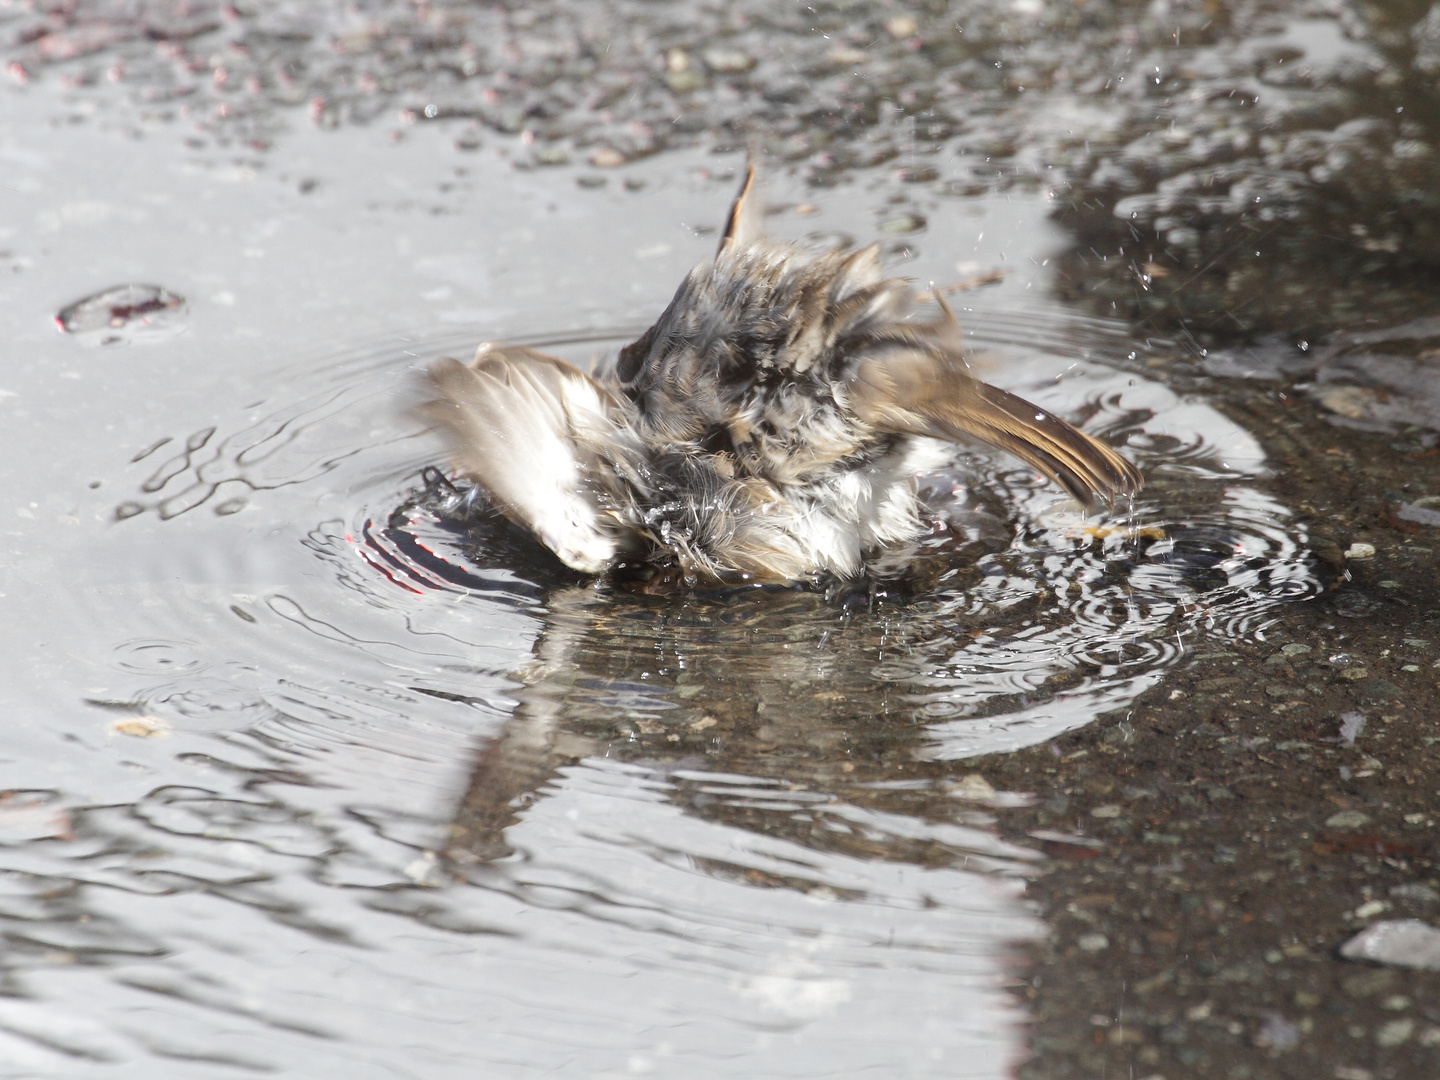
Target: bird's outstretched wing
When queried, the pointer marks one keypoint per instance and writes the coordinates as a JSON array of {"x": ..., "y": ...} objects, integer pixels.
[
  {"x": 924, "y": 387},
  {"x": 525, "y": 426}
]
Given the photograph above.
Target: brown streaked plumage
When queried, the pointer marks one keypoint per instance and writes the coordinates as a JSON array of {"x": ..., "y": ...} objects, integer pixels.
[{"x": 768, "y": 427}]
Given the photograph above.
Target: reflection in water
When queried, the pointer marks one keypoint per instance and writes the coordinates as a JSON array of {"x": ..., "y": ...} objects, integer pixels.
[
  {"x": 465, "y": 803},
  {"x": 1020, "y": 619},
  {"x": 812, "y": 691}
]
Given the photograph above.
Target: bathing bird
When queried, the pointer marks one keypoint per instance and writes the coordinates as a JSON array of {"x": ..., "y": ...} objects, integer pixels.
[{"x": 768, "y": 428}]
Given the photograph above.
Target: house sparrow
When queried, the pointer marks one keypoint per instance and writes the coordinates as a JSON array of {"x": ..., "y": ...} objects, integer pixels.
[{"x": 767, "y": 429}]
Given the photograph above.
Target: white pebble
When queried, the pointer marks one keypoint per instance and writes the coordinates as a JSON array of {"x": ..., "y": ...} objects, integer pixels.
[{"x": 1407, "y": 943}]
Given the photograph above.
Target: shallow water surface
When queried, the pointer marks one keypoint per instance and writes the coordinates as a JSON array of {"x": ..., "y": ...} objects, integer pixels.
[{"x": 302, "y": 774}]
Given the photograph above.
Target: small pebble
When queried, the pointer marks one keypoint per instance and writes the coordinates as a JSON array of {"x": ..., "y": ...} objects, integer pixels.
[
  {"x": 1108, "y": 811},
  {"x": 1358, "y": 550},
  {"x": 905, "y": 223},
  {"x": 1395, "y": 1033},
  {"x": 1406, "y": 943},
  {"x": 684, "y": 81},
  {"x": 1093, "y": 942},
  {"x": 727, "y": 61},
  {"x": 1347, "y": 819},
  {"x": 1413, "y": 890},
  {"x": 1277, "y": 1033},
  {"x": 1356, "y": 402},
  {"x": 1424, "y": 515},
  {"x": 974, "y": 787},
  {"x": 901, "y": 26}
]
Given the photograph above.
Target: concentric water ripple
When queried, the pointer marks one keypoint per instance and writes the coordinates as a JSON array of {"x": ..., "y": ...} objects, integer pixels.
[
  {"x": 1025, "y": 619},
  {"x": 1032, "y": 621},
  {"x": 362, "y": 731},
  {"x": 1035, "y": 619}
]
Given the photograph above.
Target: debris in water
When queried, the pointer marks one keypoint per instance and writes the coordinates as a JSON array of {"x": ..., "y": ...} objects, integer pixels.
[
  {"x": 141, "y": 727},
  {"x": 124, "y": 314}
]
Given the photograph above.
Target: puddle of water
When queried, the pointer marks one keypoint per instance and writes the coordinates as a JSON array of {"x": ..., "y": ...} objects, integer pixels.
[{"x": 310, "y": 777}]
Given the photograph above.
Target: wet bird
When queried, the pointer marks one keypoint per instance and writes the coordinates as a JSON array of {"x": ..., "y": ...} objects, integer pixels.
[{"x": 768, "y": 428}]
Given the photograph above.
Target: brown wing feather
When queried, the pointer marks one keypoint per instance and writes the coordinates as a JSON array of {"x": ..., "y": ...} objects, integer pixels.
[{"x": 922, "y": 392}]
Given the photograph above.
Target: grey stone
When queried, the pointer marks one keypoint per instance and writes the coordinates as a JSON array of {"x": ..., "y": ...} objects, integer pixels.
[
  {"x": 1276, "y": 691},
  {"x": 1414, "y": 890},
  {"x": 1422, "y": 515},
  {"x": 1347, "y": 819},
  {"x": 1277, "y": 1033},
  {"x": 1407, "y": 943}
]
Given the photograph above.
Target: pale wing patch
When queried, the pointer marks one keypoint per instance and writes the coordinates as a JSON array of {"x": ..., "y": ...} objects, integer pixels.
[{"x": 509, "y": 421}]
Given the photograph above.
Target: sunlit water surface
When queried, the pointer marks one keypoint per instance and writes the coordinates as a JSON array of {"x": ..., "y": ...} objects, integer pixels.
[{"x": 308, "y": 777}]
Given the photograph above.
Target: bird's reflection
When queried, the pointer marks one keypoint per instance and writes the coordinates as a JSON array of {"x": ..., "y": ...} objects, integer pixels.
[
  {"x": 804, "y": 687},
  {"x": 511, "y": 769},
  {"x": 760, "y": 684}
]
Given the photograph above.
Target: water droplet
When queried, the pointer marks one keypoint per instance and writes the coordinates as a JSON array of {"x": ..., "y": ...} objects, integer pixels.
[{"x": 124, "y": 314}]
